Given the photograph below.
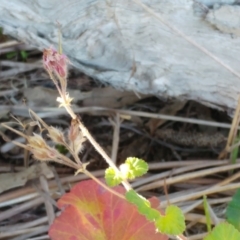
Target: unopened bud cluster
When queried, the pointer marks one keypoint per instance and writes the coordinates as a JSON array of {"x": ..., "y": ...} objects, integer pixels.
[
  {"x": 55, "y": 62},
  {"x": 37, "y": 145},
  {"x": 75, "y": 137}
]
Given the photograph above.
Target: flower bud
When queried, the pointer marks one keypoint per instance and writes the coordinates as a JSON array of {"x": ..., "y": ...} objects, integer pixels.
[
  {"x": 55, "y": 62},
  {"x": 36, "y": 141},
  {"x": 75, "y": 137},
  {"x": 45, "y": 154},
  {"x": 56, "y": 135},
  {"x": 40, "y": 154},
  {"x": 73, "y": 131}
]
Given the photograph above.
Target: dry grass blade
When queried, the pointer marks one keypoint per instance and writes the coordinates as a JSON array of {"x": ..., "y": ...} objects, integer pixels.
[
  {"x": 183, "y": 196},
  {"x": 54, "y": 112},
  {"x": 22, "y": 232},
  {"x": 15, "y": 210},
  {"x": 30, "y": 224},
  {"x": 173, "y": 172},
  {"x": 233, "y": 131},
  {"x": 48, "y": 204},
  {"x": 199, "y": 218},
  {"x": 8, "y": 44},
  {"x": 28, "y": 193},
  {"x": 17, "y": 67},
  {"x": 188, "y": 176},
  {"x": 116, "y": 125}
]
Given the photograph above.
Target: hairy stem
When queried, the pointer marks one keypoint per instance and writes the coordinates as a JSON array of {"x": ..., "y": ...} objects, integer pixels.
[{"x": 103, "y": 185}]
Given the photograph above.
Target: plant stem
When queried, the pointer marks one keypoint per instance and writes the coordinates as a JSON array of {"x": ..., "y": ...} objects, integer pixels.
[
  {"x": 98, "y": 148},
  {"x": 103, "y": 185},
  {"x": 102, "y": 152}
]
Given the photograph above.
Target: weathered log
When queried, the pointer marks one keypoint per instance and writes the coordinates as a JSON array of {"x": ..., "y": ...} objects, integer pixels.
[{"x": 120, "y": 43}]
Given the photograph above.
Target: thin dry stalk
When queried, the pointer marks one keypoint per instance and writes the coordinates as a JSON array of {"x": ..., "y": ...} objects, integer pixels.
[
  {"x": 27, "y": 193},
  {"x": 191, "y": 206},
  {"x": 173, "y": 172},
  {"x": 188, "y": 176},
  {"x": 8, "y": 44},
  {"x": 182, "y": 196},
  {"x": 48, "y": 205},
  {"x": 116, "y": 125},
  {"x": 232, "y": 133},
  {"x": 229, "y": 179},
  {"x": 59, "y": 184},
  {"x": 46, "y": 112},
  {"x": 25, "y": 225},
  {"x": 23, "y": 231},
  {"x": 199, "y": 218},
  {"x": 214, "y": 217},
  {"x": 37, "y": 231},
  {"x": 20, "y": 208},
  {"x": 43, "y": 237}
]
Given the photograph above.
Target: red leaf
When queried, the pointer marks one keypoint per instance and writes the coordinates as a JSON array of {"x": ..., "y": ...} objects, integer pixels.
[{"x": 92, "y": 213}]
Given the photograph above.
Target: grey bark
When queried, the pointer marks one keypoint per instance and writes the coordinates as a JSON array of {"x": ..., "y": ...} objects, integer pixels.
[{"x": 118, "y": 42}]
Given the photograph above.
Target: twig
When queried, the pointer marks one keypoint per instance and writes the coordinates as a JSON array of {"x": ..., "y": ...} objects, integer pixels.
[
  {"x": 103, "y": 185},
  {"x": 101, "y": 152},
  {"x": 53, "y": 112},
  {"x": 37, "y": 231},
  {"x": 116, "y": 125},
  {"x": 188, "y": 176},
  {"x": 48, "y": 205},
  {"x": 173, "y": 172},
  {"x": 199, "y": 193},
  {"x": 15, "y": 210}
]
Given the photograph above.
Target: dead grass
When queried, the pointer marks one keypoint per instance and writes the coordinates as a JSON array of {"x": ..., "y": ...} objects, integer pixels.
[{"x": 185, "y": 172}]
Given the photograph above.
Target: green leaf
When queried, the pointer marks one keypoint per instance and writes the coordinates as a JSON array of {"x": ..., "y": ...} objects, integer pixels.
[
  {"x": 11, "y": 55},
  {"x": 223, "y": 231},
  {"x": 207, "y": 213},
  {"x": 172, "y": 223},
  {"x": 133, "y": 167},
  {"x": 62, "y": 149},
  {"x": 112, "y": 177},
  {"x": 234, "y": 153},
  {"x": 24, "y": 55},
  {"x": 143, "y": 205},
  {"x": 152, "y": 214},
  {"x": 233, "y": 210},
  {"x": 137, "y": 199}
]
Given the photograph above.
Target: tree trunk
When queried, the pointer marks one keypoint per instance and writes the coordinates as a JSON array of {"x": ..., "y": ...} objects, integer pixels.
[{"x": 120, "y": 43}]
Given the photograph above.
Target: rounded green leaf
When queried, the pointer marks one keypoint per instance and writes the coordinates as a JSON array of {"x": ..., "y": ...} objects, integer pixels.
[
  {"x": 143, "y": 205},
  {"x": 112, "y": 177},
  {"x": 173, "y": 223},
  {"x": 152, "y": 214},
  {"x": 133, "y": 167},
  {"x": 137, "y": 199},
  {"x": 223, "y": 231}
]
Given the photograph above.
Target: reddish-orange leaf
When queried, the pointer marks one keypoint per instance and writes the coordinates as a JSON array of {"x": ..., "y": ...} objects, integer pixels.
[{"x": 92, "y": 213}]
